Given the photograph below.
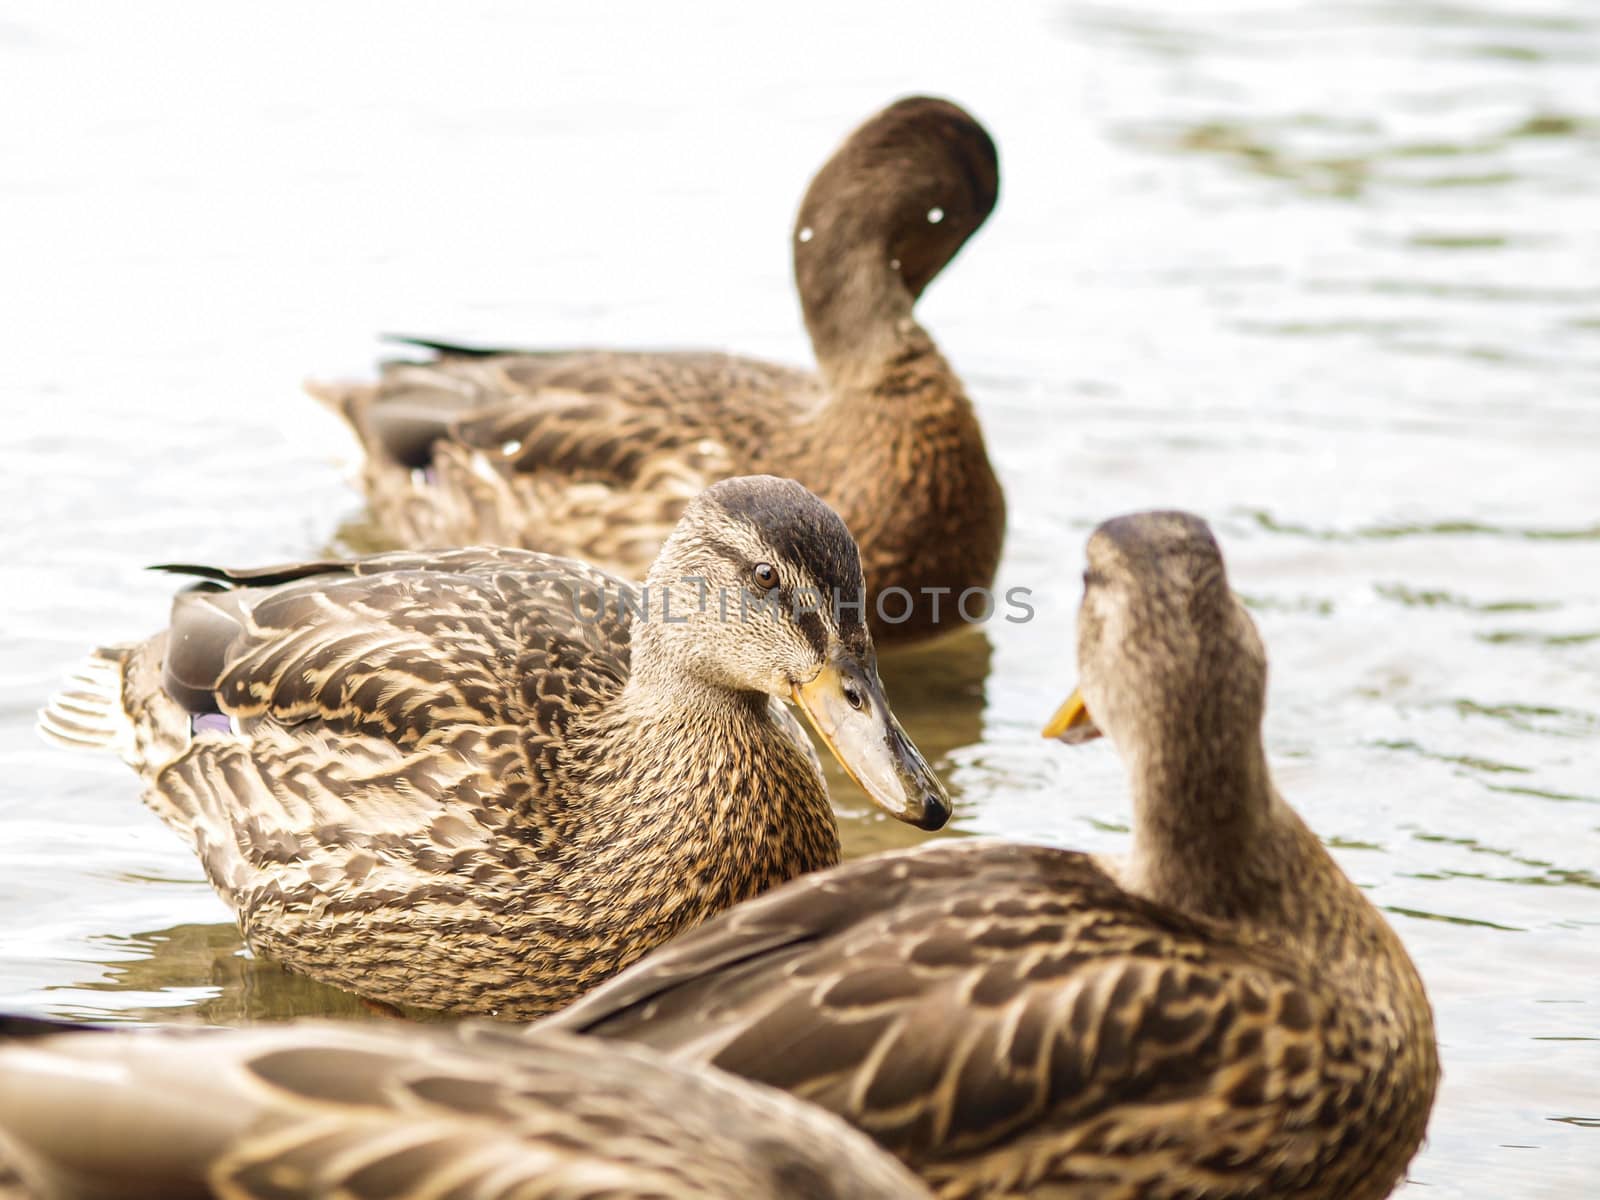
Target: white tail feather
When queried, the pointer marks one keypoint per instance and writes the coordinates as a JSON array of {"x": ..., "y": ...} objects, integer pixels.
[{"x": 87, "y": 713}]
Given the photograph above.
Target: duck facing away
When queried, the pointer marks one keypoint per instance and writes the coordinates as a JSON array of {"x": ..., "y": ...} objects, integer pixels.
[
  {"x": 594, "y": 454},
  {"x": 321, "y": 1110},
  {"x": 1223, "y": 1016},
  {"x": 480, "y": 780}
]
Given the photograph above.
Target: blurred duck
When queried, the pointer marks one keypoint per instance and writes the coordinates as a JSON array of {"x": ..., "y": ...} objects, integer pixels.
[
  {"x": 479, "y": 780},
  {"x": 1223, "y": 1015},
  {"x": 475, "y": 1112},
  {"x": 594, "y": 454}
]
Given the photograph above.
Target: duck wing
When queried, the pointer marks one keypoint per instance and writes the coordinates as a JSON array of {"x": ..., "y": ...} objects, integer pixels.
[
  {"x": 374, "y": 760},
  {"x": 400, "y": 646}
]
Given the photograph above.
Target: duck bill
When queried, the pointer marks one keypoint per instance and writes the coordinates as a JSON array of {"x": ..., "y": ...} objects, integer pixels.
[
  {"x": 869, "y": 743},
  {"x": 1072, "y": 723}
]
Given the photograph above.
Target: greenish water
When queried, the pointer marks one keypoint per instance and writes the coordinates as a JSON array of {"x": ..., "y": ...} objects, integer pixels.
[{"x": 1326, "y": 273}]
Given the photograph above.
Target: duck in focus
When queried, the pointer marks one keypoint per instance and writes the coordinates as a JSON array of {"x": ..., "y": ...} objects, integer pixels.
[
  {"x": 313, "y": 1109},
  {"x": 484, "y": 780},
  {"x": 1222, "y": 1015},
  {"x": 594, "y": 454}
]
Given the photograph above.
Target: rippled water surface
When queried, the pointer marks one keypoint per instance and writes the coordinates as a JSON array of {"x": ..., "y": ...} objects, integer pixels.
[{"x": 1327, "y": 273}]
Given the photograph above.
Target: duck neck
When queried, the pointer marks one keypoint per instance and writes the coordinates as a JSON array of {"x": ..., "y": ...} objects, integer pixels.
[
  {"x": 858, "y": 312},
  {"x": 887, "y": 383},
  {"x": 700, "y": 801},
  {"x": 1213, "y": 838}
]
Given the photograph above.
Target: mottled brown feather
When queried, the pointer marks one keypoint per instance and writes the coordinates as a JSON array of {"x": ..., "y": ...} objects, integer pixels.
[
  {"x": 313, "y": 1109},
  {"x": 999, "y": 1014}
]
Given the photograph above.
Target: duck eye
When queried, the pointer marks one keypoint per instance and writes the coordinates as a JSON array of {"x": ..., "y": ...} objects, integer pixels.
[
  {"x": 852, "y": 697},
  {"x": 766, "y": 575}
]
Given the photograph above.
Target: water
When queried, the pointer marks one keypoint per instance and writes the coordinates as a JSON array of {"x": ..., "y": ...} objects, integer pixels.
[{"x": 1322, "y": 272}]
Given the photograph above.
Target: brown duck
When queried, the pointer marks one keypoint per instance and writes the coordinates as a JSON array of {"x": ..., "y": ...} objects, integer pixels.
[
  {"x": 1223, "y": 1016},
  {"x": 321, "y": 1110},
  {"x": 594, "y": 454},
  {"x": 481, "y": 780}
]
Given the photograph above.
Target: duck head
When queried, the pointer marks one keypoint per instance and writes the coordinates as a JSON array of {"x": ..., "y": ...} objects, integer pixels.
[
  {"x": 1167, "y": 656},
  {"x": 766, "y": 595},
  {"x": 892, "y": 206}
]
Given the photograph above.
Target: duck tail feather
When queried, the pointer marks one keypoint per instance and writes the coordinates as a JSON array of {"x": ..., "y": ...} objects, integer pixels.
[
  {"x": 446, "y": 348},
  {"x": 87, "y": 713},
  {"x": 347, "y": 400}
]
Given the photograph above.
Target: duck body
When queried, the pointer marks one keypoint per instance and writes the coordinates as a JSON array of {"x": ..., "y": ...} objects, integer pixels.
[
  {"x": 318, "y": 1109},
  {"x": 595, "y": 453},
  {"x": 476, "y": 780},
  {"x": 418, "y": 763},
  {"x": 1008, "y": 1019},
  {"x": 1222, "y": 1015}
]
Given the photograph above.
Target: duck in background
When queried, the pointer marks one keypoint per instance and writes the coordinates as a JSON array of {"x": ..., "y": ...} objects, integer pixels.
[
  {"x": 1223, "y": 1015},
  {"x": 483, "y": 780},
  {"x": 594, "y": 453}
]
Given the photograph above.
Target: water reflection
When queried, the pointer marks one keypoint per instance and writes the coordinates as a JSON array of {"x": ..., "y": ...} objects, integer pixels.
[
  {"x": 207, "y": 971},
  {"x": 1295, "y": 150}
]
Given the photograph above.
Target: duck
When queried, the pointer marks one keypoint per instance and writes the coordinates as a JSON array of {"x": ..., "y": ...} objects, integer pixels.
[
  {"x": 593, "y": 454},
  {"x": 1221, "y": 1014},
  {"x": 319, "y": 1109},
  {"x": 482, "y": 780}
]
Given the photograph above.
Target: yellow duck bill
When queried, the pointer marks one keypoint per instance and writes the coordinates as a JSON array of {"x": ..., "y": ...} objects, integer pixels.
[
  {"x": 845, "y": 704},
  {"x": 1072, "y": 723}
]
